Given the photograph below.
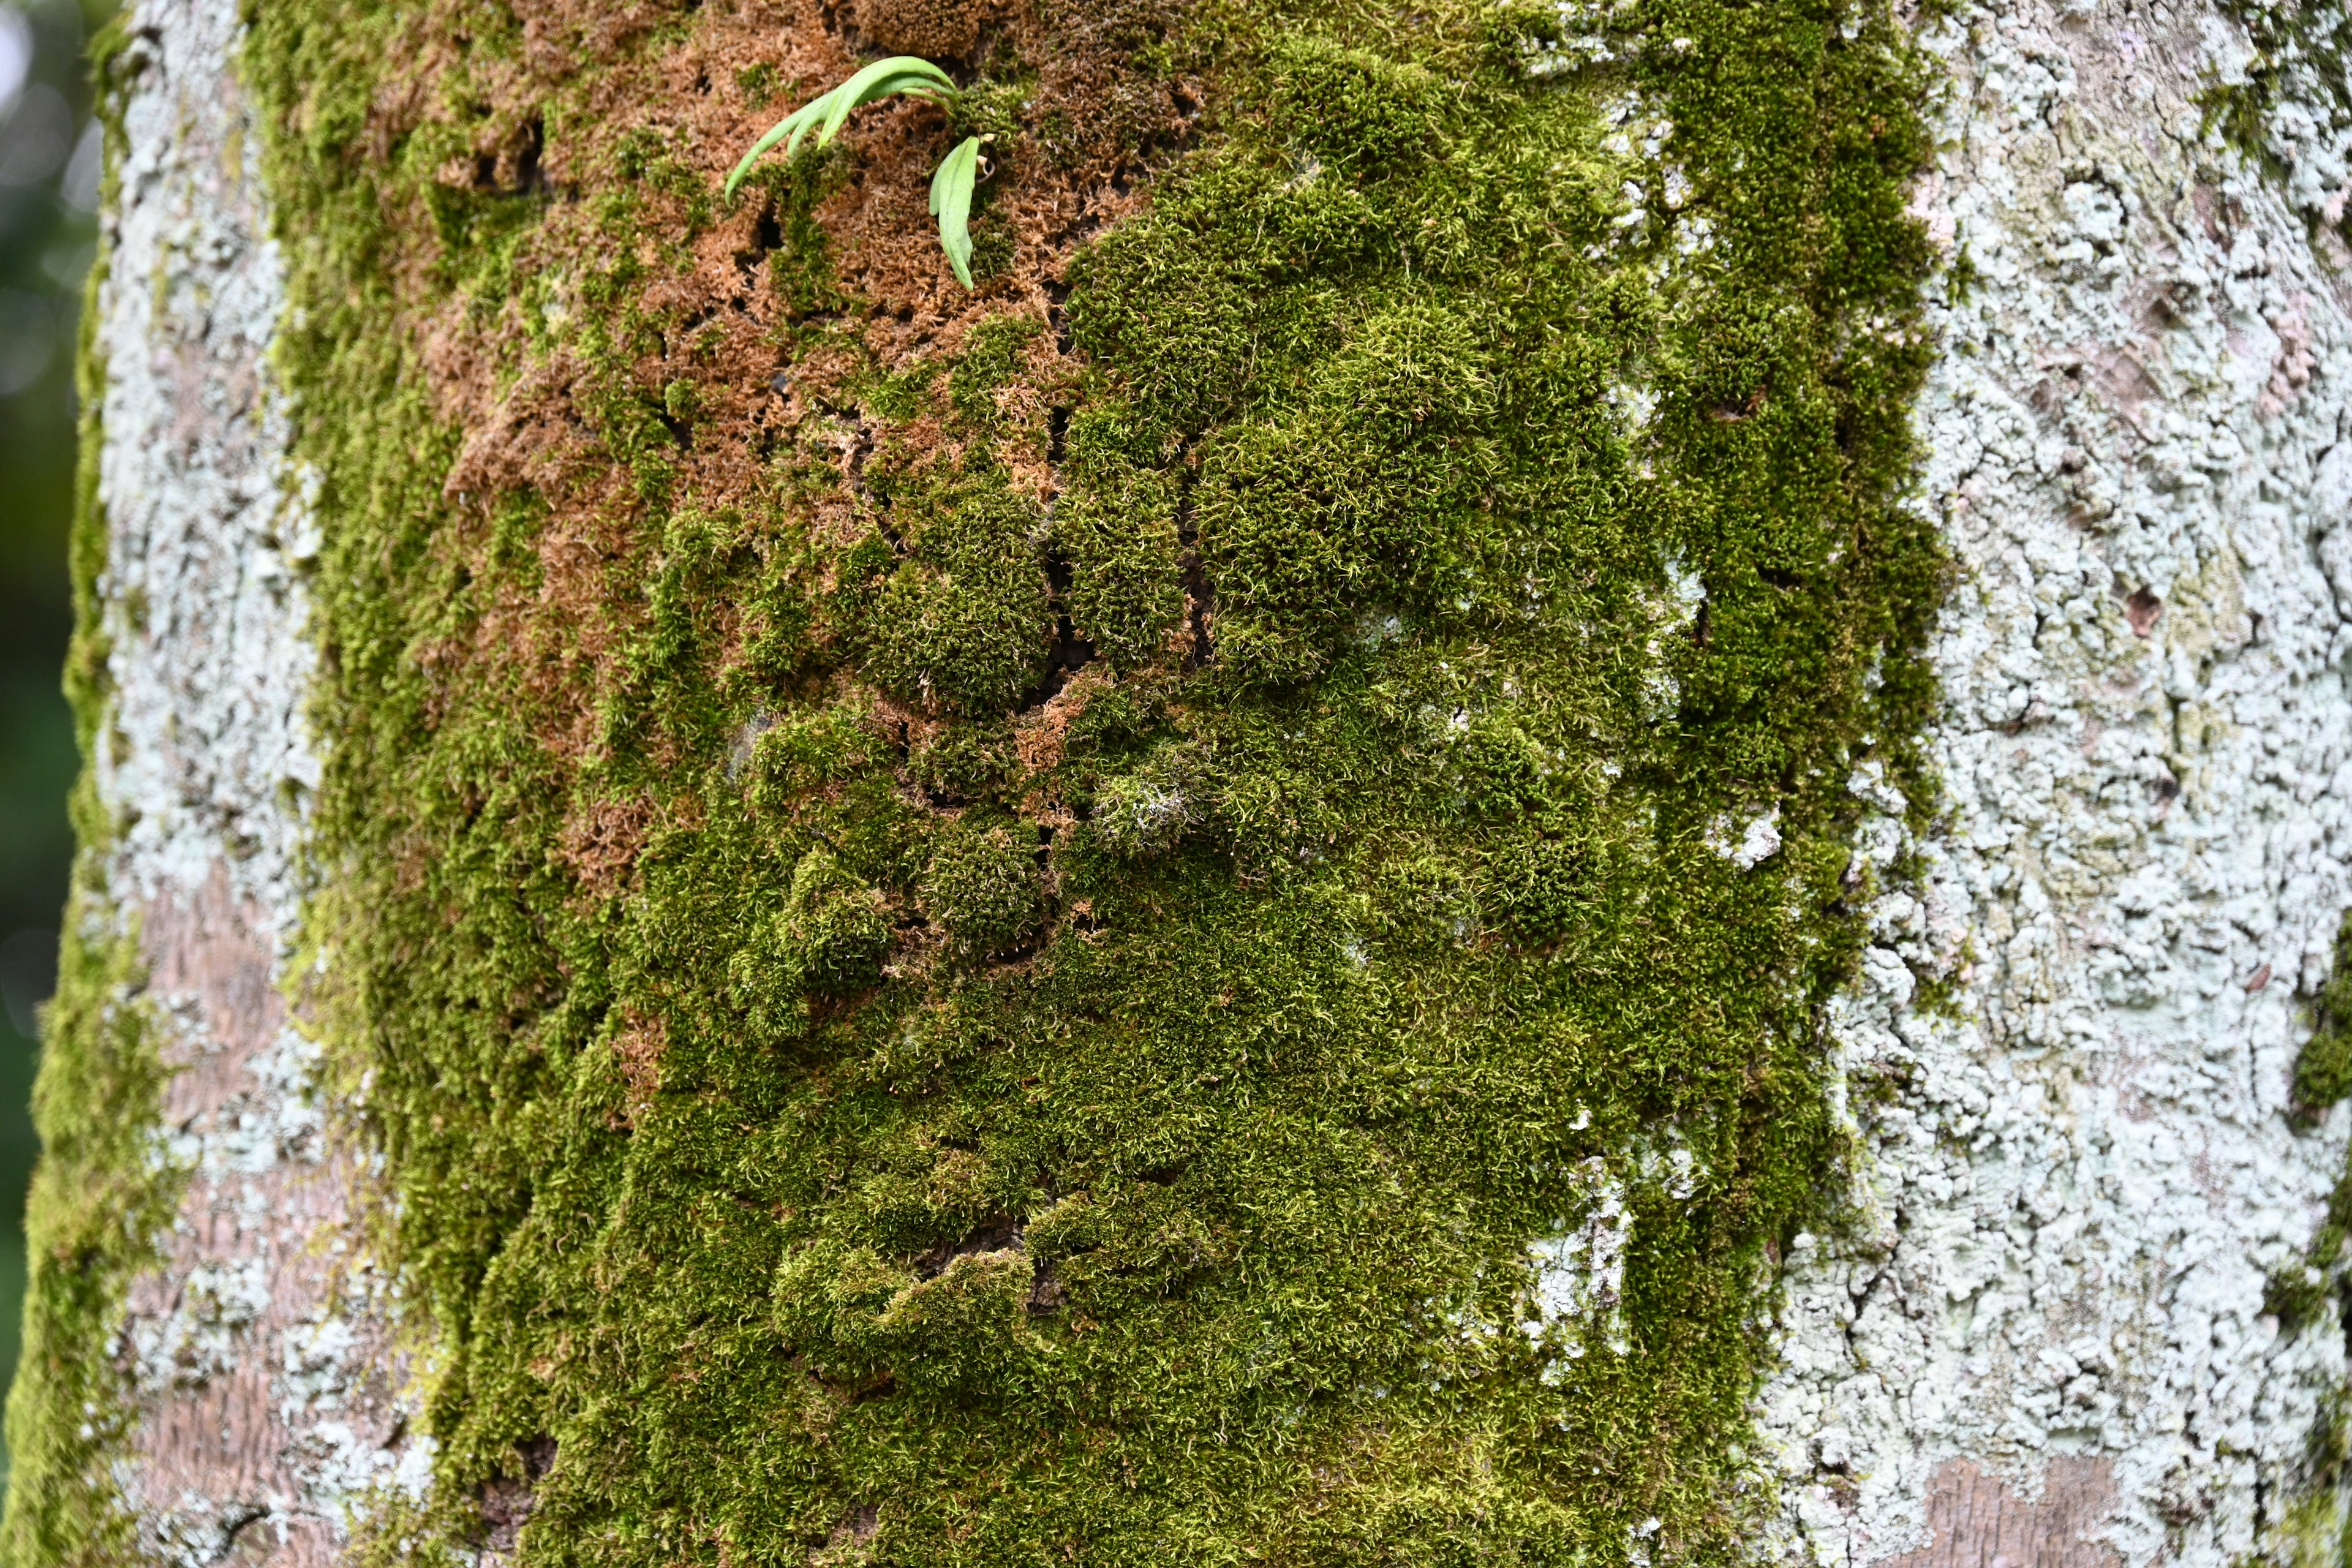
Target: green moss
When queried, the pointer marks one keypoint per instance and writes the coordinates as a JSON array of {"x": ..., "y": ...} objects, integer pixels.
[
  {"x": 957, "y": 614},
  {"x": 757, "y": 83},
  {"x": 990, "y": 360},
  {"x": 100, "y": 1196},
  {"x": 1118, "y": 529},
  {"x": 2323, "y": 1069},
  {"x": 983, "y": 888},
  {"x": 834, "y": 931},
  {"x": 1132, "y": 976},
  {"x": 2323, "y": 1077}
]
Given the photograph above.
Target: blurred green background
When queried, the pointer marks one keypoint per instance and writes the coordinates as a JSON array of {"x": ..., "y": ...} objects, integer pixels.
[{"x": 48, "y": 186}]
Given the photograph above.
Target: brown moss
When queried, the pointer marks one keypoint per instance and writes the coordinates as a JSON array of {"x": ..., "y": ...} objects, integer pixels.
[
  {"x": 637, "y": 1048},
  {"x": 935, "y": 30},
  {"x": 528, "y": 398},
  {"x": 601, "y": 840}
]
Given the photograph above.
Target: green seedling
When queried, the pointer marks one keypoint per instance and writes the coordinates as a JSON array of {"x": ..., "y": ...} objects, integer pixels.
[{"x": 951, "y": 183}]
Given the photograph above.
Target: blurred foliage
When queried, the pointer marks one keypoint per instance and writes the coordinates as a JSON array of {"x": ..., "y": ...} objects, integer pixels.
[{"x": 48, "y": 183}]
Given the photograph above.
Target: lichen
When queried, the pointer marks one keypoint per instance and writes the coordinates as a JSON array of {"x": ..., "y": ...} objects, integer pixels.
[
  {"x": 2287, "y": 108},
  {"x": 2284, "y": 104},
  {"x": 982, "y": 929}
]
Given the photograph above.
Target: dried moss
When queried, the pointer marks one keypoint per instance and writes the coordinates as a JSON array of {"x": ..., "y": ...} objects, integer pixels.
[{"x": 1272, "y": 706}]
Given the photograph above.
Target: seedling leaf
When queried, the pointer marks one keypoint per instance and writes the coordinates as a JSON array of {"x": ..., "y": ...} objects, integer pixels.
[
  {"x": 900, "y": 73},
  {"x": 794, "y": 125},
  {"x": 827, "y": 112},
  {"x": 952, "y": 188}
]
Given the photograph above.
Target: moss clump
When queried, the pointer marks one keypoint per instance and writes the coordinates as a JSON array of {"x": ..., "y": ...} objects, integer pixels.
[
  {"x": 935, "y": 30},
  {"x": 956, "y": 611},
  {"x": 990, "y": 362},
  {"x": 983, "y": 886},
  {"x": 2323, "y": 1077},
  {"x": 1270, "y": 700},
  {"x": 834, "y": 933},
  {"x": 2323, "y": 1069},
  {"x": 1120, "y": 535}
]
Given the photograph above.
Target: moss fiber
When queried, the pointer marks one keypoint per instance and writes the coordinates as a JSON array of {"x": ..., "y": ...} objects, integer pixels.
[{"x": 1018, "y": 984}]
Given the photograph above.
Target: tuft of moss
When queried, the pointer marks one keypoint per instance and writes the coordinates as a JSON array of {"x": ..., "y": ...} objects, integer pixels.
[
  {"x": 2323, "y": 1069},
  {"x": 2299, "y": 1293},
  {"x": 983, "y": 886},
  {"x": 957, "y": 612}
]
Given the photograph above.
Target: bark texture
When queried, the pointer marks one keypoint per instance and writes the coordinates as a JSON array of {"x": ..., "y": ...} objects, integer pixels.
[{"x": 2084, "y": 1172}]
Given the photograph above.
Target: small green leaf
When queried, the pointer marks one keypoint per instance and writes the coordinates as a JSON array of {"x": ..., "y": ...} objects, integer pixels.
[
  {"x": 952, "y": 188},
  {"x": 827, "y": 112},
  {"x": 900, "y": 73},
  {"x": 795, "y": 125}
]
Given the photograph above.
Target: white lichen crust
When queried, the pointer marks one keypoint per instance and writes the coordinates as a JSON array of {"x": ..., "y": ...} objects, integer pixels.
[
  {"x": 2044, "y": 1339},
  {"x": 264, "y": 1387}
]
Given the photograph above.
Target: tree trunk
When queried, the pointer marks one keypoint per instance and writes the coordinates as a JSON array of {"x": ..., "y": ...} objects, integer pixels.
[
  {"x": 2071, "y": 1329},
  {"x": 1484, "y": 819},
  {"x": 251, "y": 1342}
]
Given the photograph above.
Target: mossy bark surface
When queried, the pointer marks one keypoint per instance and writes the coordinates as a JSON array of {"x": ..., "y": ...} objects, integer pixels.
[{"x": 1176, "y": 909}]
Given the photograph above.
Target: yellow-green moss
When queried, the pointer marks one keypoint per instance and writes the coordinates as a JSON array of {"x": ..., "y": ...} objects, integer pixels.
[
  {"x": 100, "y": 1196},
  {"x": 1251, "y": 1009}
]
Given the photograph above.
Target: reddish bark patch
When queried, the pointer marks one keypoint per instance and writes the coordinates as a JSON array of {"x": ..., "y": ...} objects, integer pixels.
[{"x": 1980, "y": 1522}]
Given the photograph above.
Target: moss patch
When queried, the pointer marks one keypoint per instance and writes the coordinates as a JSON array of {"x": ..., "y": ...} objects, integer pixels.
[
  {"x": 2323, "y": 1077},
  {"x": 987, "y": 928}
]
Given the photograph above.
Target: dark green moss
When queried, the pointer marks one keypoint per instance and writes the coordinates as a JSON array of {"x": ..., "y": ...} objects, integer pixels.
[
  {"x": 983, "y": 888},
  {"x": 2323, "y": 1077},
  {"x": 958, "y": 612},
  {"x": 2323, "y": 1070},
  {"x": 1132, "y": 976}
]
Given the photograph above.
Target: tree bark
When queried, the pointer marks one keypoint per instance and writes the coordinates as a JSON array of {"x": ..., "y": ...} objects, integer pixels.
[
  {"x": 2058, "y": 1340},
  {"x": 2042, "y": 1322}
]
